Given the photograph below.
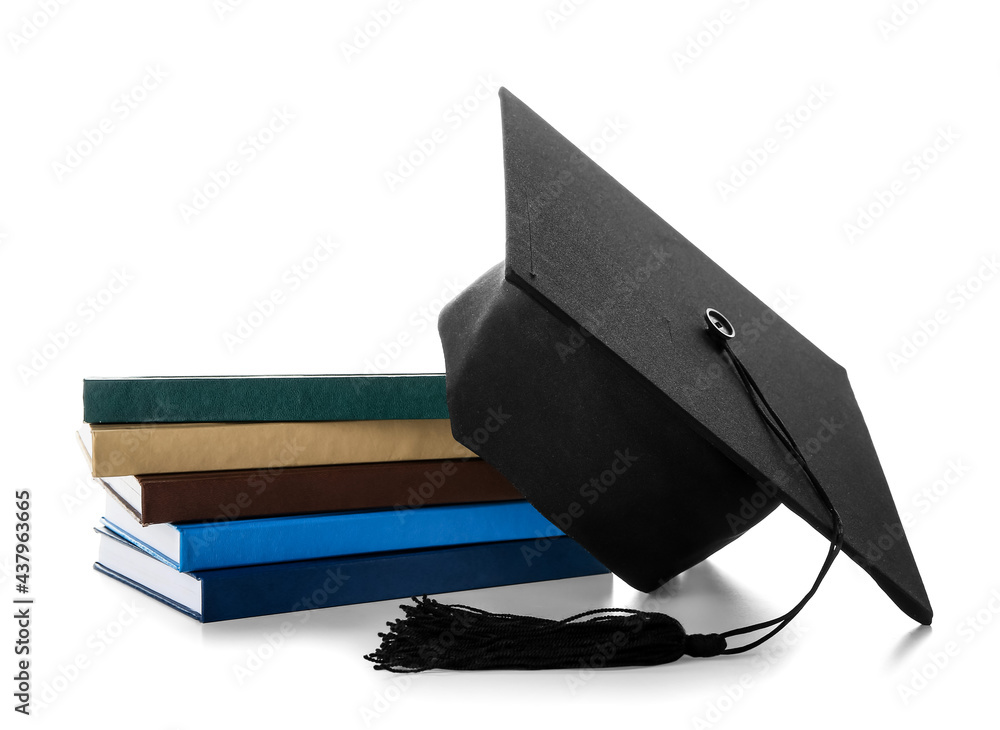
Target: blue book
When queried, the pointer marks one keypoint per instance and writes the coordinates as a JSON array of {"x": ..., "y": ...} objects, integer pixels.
[
  {"x": 189, "y": 546},
  {"x": 258, "y": 590}
]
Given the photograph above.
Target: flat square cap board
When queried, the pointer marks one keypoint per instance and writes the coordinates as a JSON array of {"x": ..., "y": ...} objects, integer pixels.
[{"x": 583, "y": 370}]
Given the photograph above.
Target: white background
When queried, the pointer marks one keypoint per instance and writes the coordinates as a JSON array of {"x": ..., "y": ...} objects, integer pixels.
[{"x": 680, "y": 94}]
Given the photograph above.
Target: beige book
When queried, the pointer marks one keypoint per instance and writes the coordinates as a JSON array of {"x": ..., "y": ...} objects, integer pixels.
[{"x": 156, "y": 448}]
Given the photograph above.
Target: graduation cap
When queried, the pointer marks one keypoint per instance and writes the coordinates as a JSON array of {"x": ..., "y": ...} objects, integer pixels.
[{"x": 650, "y": 406}]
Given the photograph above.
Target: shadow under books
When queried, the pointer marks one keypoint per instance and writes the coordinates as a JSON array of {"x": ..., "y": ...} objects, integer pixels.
[{"x": 702, "y": 598}]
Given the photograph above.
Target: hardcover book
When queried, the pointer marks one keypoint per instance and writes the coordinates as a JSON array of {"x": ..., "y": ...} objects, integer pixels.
[
  {"x": 219, "y": 495},
  {"x": 225, "y": 544},
  {"x": 263, "y": 398},
  {"x": 230, "y": 593},
  {"x": 158, "y": 448}
]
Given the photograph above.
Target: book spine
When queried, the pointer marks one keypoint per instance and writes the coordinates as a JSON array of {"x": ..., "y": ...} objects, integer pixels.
[
  {"x": 160, "y": 448},
  {"x": 210, "y": 496},
  {"x": 206, "y": 546},
  {"x": 270, "y": 589},
  {"x": 307, "y": 398}
]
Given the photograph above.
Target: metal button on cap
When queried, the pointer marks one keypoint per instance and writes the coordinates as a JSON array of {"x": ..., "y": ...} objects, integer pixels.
[{"x": 719, "y": 325}]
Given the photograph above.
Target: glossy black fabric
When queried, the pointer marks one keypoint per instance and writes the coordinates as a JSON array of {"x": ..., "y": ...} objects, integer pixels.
[{"x": 591, "y": 341}]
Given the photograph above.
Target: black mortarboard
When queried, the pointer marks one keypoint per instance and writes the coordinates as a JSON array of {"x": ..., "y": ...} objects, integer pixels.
[{"x": 586, "y": 370}]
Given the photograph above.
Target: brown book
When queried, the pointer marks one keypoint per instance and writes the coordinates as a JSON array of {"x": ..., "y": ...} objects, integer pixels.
[{"x": 230, "y": 495}]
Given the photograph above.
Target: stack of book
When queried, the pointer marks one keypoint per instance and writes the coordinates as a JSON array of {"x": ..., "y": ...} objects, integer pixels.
[{"x": 230, "y": 497}]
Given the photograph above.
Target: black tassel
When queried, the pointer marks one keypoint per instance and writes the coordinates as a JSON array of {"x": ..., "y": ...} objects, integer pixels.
[{"x": 433, "y": 635}]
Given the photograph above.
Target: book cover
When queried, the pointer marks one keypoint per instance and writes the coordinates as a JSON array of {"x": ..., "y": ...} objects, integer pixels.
[
  {"x": 263, "y": 398},
  {"x": 239, "y": 494},
  {"x": 158, "y": 448},
  {"x": 231, "y": 593},
  {"x": 194, "y": 546}
]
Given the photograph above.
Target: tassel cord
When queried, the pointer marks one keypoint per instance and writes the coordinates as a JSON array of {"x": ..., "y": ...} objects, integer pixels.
[{"x": 780, "y": 430}]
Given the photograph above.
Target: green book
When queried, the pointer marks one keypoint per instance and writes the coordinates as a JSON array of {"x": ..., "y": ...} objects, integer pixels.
[{"x": 263, "y": 398}]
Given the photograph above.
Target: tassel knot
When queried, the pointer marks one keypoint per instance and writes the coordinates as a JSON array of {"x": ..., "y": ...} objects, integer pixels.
[{"x": 704, "y": 645}]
